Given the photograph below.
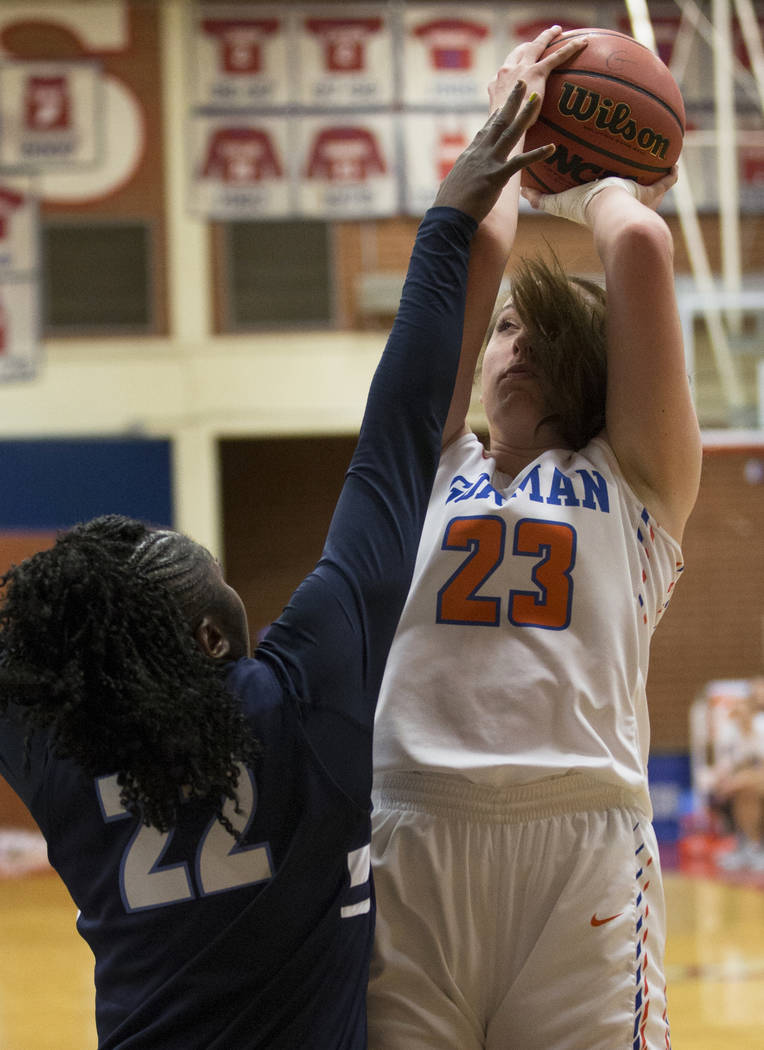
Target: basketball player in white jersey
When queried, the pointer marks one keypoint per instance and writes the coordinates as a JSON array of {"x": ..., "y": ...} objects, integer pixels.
[{"x": 520, "y": 904}]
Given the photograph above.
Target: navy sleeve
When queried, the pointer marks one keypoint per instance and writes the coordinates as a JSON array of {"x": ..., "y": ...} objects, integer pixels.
[
  {"x": 12, "y": 754},
  {"x": 333, "y": 638}
]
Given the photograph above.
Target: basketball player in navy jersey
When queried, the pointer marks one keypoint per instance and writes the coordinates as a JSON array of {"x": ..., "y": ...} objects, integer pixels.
[{"x": 208, "y": 811}]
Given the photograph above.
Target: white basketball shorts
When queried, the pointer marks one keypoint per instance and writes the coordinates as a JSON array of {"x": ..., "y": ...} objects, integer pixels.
[{"x": 525, "y": 919}]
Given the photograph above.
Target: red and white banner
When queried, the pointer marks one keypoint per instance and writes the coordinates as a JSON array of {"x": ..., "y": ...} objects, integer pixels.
[
  {"x": 449, "y": 54},
  {"x": 345, "y": 56},
  {"x": 240, "y": 167},
  {"x": 241, "y": 56},
  {"x": 348, "y": 166},
  {"x": 52, "y": 114}
]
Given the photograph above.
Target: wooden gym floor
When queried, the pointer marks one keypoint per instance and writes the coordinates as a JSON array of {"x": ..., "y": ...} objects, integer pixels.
[{"x": 715, "y": 965}]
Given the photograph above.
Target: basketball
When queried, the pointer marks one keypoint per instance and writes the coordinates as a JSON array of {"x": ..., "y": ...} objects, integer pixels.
[{"x": 614, "y": 109}]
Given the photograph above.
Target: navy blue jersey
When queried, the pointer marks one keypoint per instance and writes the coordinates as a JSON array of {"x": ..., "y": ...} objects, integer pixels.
[{"x": 204, "y": 942}]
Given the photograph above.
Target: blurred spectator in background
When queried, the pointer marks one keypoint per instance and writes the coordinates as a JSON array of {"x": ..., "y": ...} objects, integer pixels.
[{"x": 737, "y": 790}]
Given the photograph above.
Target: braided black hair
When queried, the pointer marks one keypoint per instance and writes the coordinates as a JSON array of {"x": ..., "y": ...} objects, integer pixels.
[{"x": 97, "y": 644}]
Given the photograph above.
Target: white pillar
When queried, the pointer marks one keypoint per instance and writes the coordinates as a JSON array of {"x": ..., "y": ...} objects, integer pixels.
[
  {"x": 188, "y": 262},
  {"x": 196, "y": 480},
  {"x": 196, "y": 486}
]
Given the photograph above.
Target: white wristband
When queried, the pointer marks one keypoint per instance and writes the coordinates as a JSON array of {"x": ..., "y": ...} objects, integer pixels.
[{"x": 572, "y": 204}]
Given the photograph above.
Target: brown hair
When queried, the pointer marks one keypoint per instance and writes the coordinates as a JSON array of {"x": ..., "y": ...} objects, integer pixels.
[{"x": 564, "y": 317}]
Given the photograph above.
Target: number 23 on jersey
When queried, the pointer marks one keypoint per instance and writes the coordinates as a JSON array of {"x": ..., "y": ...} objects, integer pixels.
[{"x": 549, "y": 548}]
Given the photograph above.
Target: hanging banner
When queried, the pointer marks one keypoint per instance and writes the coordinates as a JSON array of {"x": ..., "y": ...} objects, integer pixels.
[
  {"x": 345, "y": 59},
  {"x": 241, "y": 56},
  {"x": 52, "y": 114},
  {"x": 449, "y": 54},
  {"x": 347, "y": 166},
  {"x": 240, "y": 166}
]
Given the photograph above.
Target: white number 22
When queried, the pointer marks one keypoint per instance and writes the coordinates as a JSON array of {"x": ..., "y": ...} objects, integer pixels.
[{"x": 220, "y": 864}]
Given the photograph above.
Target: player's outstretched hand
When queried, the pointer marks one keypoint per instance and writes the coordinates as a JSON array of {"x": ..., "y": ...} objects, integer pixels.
[
  {"x": 574, "y": 203},
  {"x": 482, "y": 170}
]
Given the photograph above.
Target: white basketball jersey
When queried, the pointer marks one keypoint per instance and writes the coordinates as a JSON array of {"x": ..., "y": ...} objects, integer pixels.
[{"x": 522, "y": 651}]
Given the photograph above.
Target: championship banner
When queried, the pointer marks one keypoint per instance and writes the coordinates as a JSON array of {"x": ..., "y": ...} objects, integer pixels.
[
  {"x": 431, "y": 143},
  {"x": 449, "y": 54},
  {"x": 345, "y": 59},
  {"x": 240, "y": 167},
  {"x": 51, "y": 113},
  {"x": 241, "y": 57},
  {"x": 347, "y": 166}
]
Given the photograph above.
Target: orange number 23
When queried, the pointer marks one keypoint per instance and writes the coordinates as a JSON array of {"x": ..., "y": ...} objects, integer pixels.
[{"x": 550, "y": 544}]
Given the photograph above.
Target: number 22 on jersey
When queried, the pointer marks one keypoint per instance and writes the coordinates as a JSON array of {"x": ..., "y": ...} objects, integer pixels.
[
  {"x": 220, "y": 864},
  {"x": 550, "y": 550}
]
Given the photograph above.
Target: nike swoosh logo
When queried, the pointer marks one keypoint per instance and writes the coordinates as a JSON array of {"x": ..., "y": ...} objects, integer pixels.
[{"x": 601, "y": 922}]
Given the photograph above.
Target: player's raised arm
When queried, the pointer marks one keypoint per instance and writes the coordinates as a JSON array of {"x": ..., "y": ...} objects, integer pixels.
[
  {"x": 371, "y": 547},
  {"x": 650, "y": 418}
]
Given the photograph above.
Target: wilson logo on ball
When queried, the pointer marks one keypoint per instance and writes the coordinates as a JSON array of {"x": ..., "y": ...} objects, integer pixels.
[{"x": 610, "y": 116}]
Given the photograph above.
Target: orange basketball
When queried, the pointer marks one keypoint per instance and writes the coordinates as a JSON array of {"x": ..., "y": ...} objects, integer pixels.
[{"x": 615, "y": 109}]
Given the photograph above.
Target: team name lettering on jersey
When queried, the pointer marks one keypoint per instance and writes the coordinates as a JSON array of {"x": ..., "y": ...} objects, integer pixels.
[
  {"x": 581, "y": 488},
  {"x": 462, "y": 489}
]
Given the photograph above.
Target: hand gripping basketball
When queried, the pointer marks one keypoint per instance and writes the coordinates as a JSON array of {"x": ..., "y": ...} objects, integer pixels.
[
  {"x": 530, "y": 62},
  {"x": 573, "y": 203}
]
